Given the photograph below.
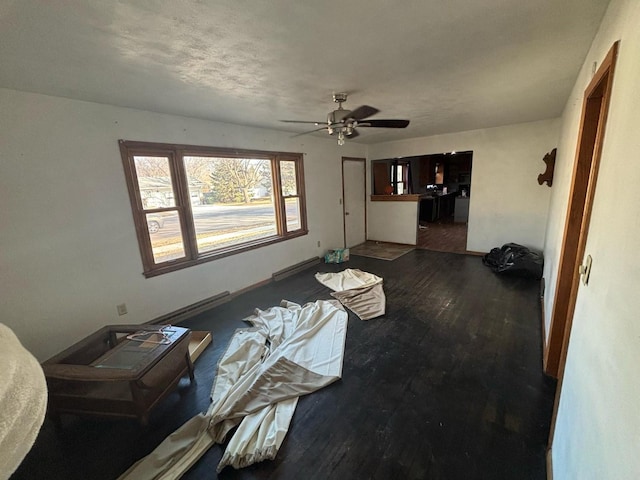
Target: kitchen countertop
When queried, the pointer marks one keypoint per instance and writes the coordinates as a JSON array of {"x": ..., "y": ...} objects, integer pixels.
[
  {"x": 413, "y": 197},
  {"x": 440, "y": 194}
]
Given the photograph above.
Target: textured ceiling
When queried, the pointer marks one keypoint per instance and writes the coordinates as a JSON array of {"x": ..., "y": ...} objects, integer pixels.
[{"x": 447, "y": 65}]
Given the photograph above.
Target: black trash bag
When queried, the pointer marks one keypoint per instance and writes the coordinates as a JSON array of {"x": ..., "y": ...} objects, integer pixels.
[{"x": 514, "y": 259}]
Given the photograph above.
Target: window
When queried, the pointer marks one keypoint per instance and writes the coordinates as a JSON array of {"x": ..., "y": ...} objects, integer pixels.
[
  {"x": 195, "y": 204},
  {"x": 400, "y": 177}
]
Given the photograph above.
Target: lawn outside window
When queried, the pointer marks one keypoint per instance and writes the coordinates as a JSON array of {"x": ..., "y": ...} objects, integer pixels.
[{"x": 194, "y": 204}]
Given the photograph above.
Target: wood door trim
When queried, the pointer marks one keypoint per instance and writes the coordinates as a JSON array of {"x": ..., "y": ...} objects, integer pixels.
[
  {"x": 579, "y": 209},
  {"x": 364, "y": 199},
  {"x": 598, "y": 92}
]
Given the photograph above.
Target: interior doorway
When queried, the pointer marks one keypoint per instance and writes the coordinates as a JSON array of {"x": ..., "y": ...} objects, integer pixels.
[
  {"x": 581, "y": 196},
  {"x": 441, "y": 183},
  {"x": 585, "y": 173},
  {"x": 444, "y": 207},
  {"x": 354, "y": 178}
]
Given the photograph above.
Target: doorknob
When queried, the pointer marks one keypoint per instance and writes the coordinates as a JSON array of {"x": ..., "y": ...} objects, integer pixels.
[{"x": 346, "y": 213}]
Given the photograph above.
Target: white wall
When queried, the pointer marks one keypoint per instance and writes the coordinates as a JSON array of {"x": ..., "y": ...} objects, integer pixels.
[
  {"x": 68, "y": 248},
  {"x": 598, "y": 425},
  {"x": 507, "y": 204},
  {"x": 395, "y": 222}
]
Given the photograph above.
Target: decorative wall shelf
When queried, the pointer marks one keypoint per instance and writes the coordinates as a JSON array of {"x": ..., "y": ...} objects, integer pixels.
[{"x": 547, "y": 176}]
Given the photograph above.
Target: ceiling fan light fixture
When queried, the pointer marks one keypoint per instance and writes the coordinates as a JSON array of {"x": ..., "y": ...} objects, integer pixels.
[
  {"x": 345, "y": 122},
  {"x": 337, "y": 116}
]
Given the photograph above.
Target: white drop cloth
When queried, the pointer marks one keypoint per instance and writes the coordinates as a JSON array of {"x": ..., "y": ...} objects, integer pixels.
[
  {"x": 290, "y": 351},
  {"x": 361, "y": 292},
  {"x": 348, "y": 279}
]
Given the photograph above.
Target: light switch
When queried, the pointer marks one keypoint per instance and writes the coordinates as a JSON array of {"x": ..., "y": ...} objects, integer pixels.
[{"x": 585, "y": 270}]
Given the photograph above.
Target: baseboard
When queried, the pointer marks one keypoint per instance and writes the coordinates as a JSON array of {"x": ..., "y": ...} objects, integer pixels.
[
  {"x": 293, "y": 269},
  {"x": 194, "y": 309},
  {"x": 549, "y": 465},
  {"x": 472, "y": 252},
  {"x": 543, "y": 325},
  {"x": 253, "y": 286},
  {"x": 191, "y": 310}
]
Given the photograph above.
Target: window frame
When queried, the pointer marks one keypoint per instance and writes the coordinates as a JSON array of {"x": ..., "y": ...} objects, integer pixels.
[
  {"x": 175, "y": 154},
  {"x": 404, "y": 168}
]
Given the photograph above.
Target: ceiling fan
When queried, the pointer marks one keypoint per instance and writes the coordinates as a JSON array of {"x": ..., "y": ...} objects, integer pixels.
[{"x": 344, "y": 122}]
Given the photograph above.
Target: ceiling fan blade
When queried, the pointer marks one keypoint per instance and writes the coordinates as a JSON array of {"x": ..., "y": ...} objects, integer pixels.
[
  {"x": 361, "y": 112},
  {"x": 354, "y": 134},
  {"x": 302, "y": 121},
  {"x": 310, "y": 131},
  {"x": 384, "y": 123}
]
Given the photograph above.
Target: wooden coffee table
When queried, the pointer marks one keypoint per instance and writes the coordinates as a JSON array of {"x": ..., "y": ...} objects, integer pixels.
[{"x": 118, "y": 371}]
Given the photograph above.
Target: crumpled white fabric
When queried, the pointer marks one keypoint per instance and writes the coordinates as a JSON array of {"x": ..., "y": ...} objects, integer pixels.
[
  {"x": 23, "y": 401},
  {"x": 290, "y": 351},
  {"x": 347, "y": 279},
  {"x": 361, "y": 292}
]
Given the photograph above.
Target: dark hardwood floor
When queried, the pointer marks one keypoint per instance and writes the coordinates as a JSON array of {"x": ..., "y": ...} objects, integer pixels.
[
  {"x": 443, "y": 236},
  {"x": 447, "y": 385}
]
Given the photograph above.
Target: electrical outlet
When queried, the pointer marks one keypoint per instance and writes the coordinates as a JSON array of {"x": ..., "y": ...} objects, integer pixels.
[
  {"x": 318, "y": 243},
  {"x": 122, "y": 309}
]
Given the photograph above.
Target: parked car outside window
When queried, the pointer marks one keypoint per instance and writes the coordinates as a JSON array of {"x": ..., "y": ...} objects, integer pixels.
[{"x": 154, "y": 222}]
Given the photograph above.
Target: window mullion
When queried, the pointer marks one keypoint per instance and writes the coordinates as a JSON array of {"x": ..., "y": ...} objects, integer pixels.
[
  {"x": 186, "y": 216},
  {"x": 277, "y": 196},
  {"x": 301, "y": 193}
]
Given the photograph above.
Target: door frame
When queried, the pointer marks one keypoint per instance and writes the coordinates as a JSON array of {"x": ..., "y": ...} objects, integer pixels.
[
  {"x": 595, "y": 109},
  {"x": 364, "y": 184}
]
